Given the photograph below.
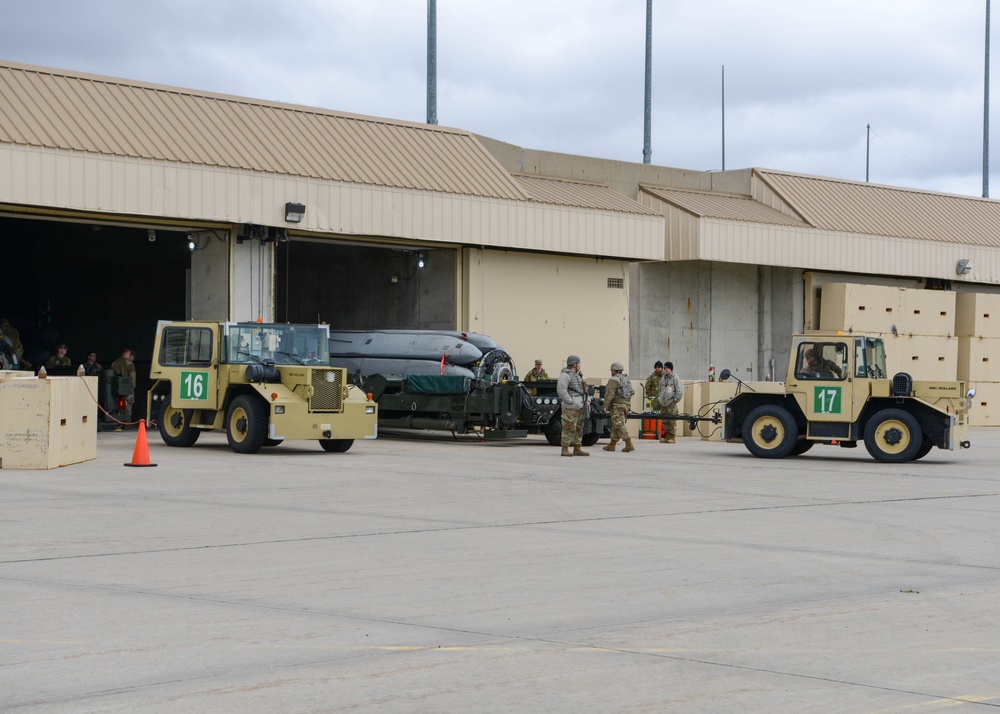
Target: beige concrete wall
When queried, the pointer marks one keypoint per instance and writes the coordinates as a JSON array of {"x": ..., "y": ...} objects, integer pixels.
[
  {"x": 623, "y": 177},
  {"x": 549, "y": 306},
  {"x": 142, "y": 187}
]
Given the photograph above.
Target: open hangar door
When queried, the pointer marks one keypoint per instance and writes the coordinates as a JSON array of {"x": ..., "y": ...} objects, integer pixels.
[
  {"x": 95, "y": 287},
  {"x": 367, "y": 286}
]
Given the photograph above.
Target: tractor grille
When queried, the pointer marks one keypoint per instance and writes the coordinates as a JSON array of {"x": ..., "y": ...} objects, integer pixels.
[{"x": 327, "y": 390}]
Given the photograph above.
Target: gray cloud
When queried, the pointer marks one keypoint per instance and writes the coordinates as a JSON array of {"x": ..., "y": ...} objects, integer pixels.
[{"x": 802, "y": 78}]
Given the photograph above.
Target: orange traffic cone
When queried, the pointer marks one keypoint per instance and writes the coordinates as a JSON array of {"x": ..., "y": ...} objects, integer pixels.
[{"x": 140, "y": 456}]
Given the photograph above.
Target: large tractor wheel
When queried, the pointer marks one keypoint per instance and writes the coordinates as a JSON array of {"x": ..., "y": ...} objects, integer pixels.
[
  {"x": 801, "y": 447},
  {"x": 336, "y": 446},
  {"x": 770, "y": 432},
  {"x": 246, "y": 424},
  {"x": 893, "y": 436},
  {"x": 925, "y": 448},
  {"x": 175, "y": 425}
]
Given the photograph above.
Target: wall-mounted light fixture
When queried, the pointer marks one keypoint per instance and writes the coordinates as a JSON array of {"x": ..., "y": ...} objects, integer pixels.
[
  {"x": 294, "y": 212},
  {"x": 421, "y": 259},
  {"x": 192, "y": 245},
  {"x": 964, "y": 267}
]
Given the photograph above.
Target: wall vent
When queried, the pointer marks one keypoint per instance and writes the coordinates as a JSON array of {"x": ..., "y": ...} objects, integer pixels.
[{"x": 616, "y": 283}]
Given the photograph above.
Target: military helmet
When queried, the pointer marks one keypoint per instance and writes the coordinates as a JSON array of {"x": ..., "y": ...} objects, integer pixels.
[
  {"x": 617, "y": 367},
  {"x": 571, "y": 360}
]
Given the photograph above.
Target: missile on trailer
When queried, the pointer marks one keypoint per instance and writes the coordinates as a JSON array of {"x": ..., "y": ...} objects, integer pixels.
[{"x": 404, "y": 345}]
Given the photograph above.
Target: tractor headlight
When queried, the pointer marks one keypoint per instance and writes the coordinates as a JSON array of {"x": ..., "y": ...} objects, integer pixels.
[
  {"x": 370, "y": 409},
  {"x": 971, "y": 393}
]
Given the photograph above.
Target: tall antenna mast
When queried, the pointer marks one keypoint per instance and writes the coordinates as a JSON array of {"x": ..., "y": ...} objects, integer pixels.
[
  {"x": 868, "y": 149},
  {"x": 647, "y": 147},
  {"x": 432, "y": 112},
  {"x": 986, "y": 111},
  {"x": 723, "y": 117}
]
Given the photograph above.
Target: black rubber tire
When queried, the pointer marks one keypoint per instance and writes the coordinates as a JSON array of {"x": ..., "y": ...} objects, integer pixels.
[
  {"x": 590, "y": 439},
  {"x": 272, "y": 442},
  {"x": 893, "y": 436},
  {"x": 925, "y": 448},
  {"x": 553, "y": 431},
  {"x": 336, "y": 446},
  {"x": 770, "y": 432},
  {"x": 175, "y": 425},
  {"x": 801, "y": 447},
  {"x": 246, "y": 424}
]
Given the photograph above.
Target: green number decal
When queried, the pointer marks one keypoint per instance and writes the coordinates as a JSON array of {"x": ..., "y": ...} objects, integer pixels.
[
  {"x": 826, "y": 400},
  {"x": 194, "y": 385}
]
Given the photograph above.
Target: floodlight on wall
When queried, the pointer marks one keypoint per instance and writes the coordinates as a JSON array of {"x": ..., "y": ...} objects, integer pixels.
[
  {"x": 294, "y": 212},
  {"x": 192, "y": 245},
  {"x": 964, "y": 267},
  {"x": 421, "y": 259}
]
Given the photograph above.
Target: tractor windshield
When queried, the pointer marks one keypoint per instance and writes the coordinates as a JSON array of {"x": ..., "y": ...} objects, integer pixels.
[
  {"x": 284, "y": 344},
  {"x": 869, "y": 357}
]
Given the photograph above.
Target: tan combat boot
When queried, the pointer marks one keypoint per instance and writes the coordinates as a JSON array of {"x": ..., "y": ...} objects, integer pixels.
[
  {"x": 628, "y": 446},
  {"x": 611, "y": 445},
  {"x": 577, "y": 451},
  {"x": 668, "y": 440},
  {"x": 566, "y": 451}
]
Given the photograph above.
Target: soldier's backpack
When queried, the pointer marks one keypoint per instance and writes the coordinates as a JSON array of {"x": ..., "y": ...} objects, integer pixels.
[{"x": 625, "y": 389}]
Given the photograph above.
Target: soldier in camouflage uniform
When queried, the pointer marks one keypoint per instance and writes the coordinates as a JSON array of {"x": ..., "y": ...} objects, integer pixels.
[
  {"x": 59, "y": 359},
  {"x": 14, "y": 339},
  {"x": 652, "y": 389},
  {"x": 572, "y": 396},
  {"x": 123, "y": 367},
  {"x": 618, "y": 404},
  {"x": 671, "y": 391},
  {"x": 536, "y": 373}
]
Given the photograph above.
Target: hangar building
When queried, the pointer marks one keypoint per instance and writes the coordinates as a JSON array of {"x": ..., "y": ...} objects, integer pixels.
[{"x": 123, "y": 202}]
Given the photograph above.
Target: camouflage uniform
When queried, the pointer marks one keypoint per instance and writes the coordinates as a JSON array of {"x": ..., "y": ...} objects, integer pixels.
[
  {"x": 92, "y": 369},
  {"x": 59, "y": 361},
  {"x": 535, "y": 374},
  {"x": 14, "y": 337},
  {"x": 671, "y": 391},
  {"x": 618, "y": 406},
  {"x": 651, "y": 391},
  {"x": 124, "y": 368},
  {"x": 571, "y": 395}
]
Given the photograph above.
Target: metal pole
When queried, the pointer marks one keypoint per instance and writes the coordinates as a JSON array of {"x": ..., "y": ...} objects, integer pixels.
[
  {"x": 647, "y": 150},
  {"x": 986, "y": 111},
  {"x": 723, "y": 117},
  {"x": 432, "y": 116},
  {"x": 868, "y": 150}
]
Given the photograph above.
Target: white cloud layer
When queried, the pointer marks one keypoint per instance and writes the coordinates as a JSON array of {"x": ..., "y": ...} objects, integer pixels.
[{"x": 803, "y": 78}]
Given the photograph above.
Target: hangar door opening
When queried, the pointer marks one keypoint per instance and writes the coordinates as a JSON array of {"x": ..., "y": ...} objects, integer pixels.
[
  {"x": 366, "y": 287},
  {"x": 94, "y": 287}
]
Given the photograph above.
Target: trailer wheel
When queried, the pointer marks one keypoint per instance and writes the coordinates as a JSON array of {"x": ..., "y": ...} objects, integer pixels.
[
  {"x": 770, "y": 432},
  {"x": 336, "y": 446},
  {"x": 893, "y": 436},
  {"x": 175, "y": 425},
  {"x": 553, "y": 431},
  {"x": 925, "y": 448},
  {"x": 590, "y": 439},
  {"x": 246, "y": 425}
]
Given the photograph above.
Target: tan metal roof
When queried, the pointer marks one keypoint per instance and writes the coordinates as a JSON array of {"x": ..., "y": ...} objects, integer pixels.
[
  {"x": 856, "y": 207},
  {"x": 731, "y": 206},
  {"x": 582, "y": 194},
  {"x": 66, "y": 110}
]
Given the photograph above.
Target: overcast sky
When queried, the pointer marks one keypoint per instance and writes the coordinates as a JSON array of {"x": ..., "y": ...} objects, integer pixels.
[{"x": 803, "y": 77}]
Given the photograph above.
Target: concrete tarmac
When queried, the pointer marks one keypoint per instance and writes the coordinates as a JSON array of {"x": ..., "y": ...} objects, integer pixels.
[{"x": 422, "y": 574}]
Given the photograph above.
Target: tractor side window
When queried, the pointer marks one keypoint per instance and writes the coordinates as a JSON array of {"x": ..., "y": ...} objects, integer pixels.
[
  {"x": 183, "y": 346},
  {"x": 822, "y": 360}
]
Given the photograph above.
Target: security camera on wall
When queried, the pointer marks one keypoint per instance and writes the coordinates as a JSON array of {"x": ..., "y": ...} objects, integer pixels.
[{"x": 151, "y": 235}]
